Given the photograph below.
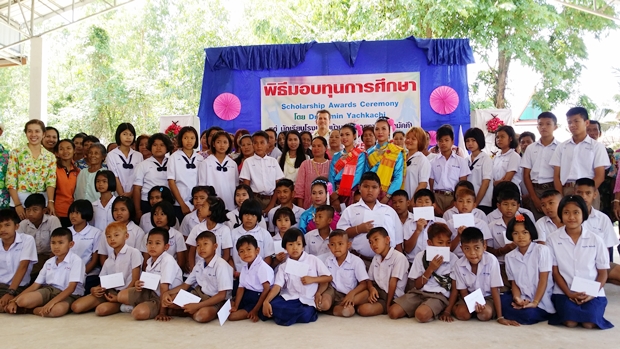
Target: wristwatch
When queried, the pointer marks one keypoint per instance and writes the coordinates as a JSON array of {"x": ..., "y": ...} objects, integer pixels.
[{"x": 11, "y": 292}]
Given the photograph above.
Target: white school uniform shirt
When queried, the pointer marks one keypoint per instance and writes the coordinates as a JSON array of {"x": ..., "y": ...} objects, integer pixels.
[
  {"x": 167, "y": 267},
  {"x": 537, "y": 158},
  {"x": 496, "y": 214},
  {"x": 348, "y": 275},
  {"x": 185, "y": 178},
  {"x": 176, "y": 242},
  {"x": 262, "y": 236},
  {"x": 483, "y": 226},
  {"x": 262, "y": 174},
  {"x": 498, "y": 233},
  {"x": 381, "y": 270},
  {"x": 291, "y": 285},
  {"x": 358, "y": 212},
  {"x": 432, "y": 156},
  {"x": 432, "y": 286},
  {"x": 213, "y": 277},
  {"x": 507, "y": 162},
  {"x": 488, "y": 275},
  {"x": 71, "y": 269},
  {"x": 544, "y": 227},
  {"x": 297, "y": 211},
  {"x": 234, "y": 219},
  {"x": 478, "y": 213},
  {"x": 150, "y": 173},
  {"x": 42, "y": 234},
  {"x": 582, "y": 259},
  {"x": 22, "y": 249},
  {"x": 102, "y": 215},
  {"x": 418, "y": 171},
  {"x": 276, "y": 152},
  {"x": 446, "y": 173},
  {"x": 579, "y": 160},
  {"x": 223, "y": 177},
  {"x": 222, "y": 236},
  {"x": 189, "y": 222},
  {"x": 525, "y": 269},
  {"x": 601, "y": 225},
  {"x": 315, "y": 244},
  {"x": 125, "y": 262},
  {"x": 253, "y": 276},
  {"x": 408, "y": 230},
  {"x": 85, "y": 243},
  {"x": 481, "y": 168},
  {"x": 117, "y": 163},
  {"x": 147, "y": 226},
  {"x": 136, "y": 239}
]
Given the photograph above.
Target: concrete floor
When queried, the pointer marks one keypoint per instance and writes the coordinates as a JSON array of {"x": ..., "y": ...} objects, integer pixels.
[{"x": 120, "y": 331}]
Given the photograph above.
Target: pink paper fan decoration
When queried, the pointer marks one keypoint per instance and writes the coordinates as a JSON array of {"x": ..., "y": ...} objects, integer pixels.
[
  {"x": 444, "y": 100},
  {"x": 227, "y": 106},
  {"x": 433, "y": 138}
]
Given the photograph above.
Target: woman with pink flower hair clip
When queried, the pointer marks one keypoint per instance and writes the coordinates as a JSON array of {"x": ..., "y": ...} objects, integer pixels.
[{"x": 387, "y": 159}]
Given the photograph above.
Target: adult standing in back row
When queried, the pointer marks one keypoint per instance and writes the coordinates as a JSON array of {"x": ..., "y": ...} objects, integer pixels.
[{"x": 323, "y": 118}]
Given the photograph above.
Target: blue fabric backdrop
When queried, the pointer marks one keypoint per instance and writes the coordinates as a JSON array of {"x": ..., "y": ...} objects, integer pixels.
[{"x": 238, "y": 70}]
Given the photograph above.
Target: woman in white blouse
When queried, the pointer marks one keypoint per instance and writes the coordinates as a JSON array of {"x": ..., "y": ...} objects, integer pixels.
[{"x": 293, "y": 155}]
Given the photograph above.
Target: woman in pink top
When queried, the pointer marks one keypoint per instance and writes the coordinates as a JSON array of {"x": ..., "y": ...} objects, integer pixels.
[{"x": 318, "y": 166}]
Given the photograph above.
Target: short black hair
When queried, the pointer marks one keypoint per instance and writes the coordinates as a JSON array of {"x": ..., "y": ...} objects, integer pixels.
[
  {"x": 84, "y": 208},
  {"x": 285, "y": 182},
  {"x": 246, "y": 239},
  {"x": 445, "y": 130},
  {"x": 550, "y": 193},
  {"x": 218, "y": 209},
  {"x": 167, "y": 209},
  {"x": 397, "y": 132},
  {"x": 124, "y": 127},
  {"x": 502, "y": 186},
  {"x": 260, "y": 134},
  {"x": 464, "y": 184},
  {"x": 401, "y": 192},
  {"x": 207, "y": 235},
  {"x": 217, "y": 135},
  {"x": 598, "y": 124},
  {"x": 471, "y": 234},
  {"x": 51, "y": 128},
  {"x": 160, "y": 231},
  {"x": 377, "y": 230},
  {"x": 251, "y": 207},
  {"x": 284, "y": 211},
  {"x": 208, "y": 189},
  {"x": 62, "y": 232},
  {"x": 35, "y": 199},
  {"x": 91, "y": 138},
  {"x": 527, "y": 134},
  {"x": 529, "y": 226},
  {"x": 370, "y": 176},
  {"x": 162, "y": 137},
  {"x": 548, "y": 115},
  {"x": 9, "y": 215},
  {"x": 326, "y": 208},
  {"x": 422, "y": 193},
  {"x": 585, "y": 181},
  {"x": 272, "y": 130},
  {"x": 102, "y": 150},
  {"x": 292, "y": 235},
  {"x": 129, "y": 204},
  {"x": 182, "y": 132},
  {"x": 57, "y": 145},
  {"x": 509, "y": 195},
  {"x": 338, "y": 232},
  {"x": 577, "y": 200},
  {"x": 166, "y": 194},
  {"x": 247, "y": 188},
  {"x": 514, "y": 141},
  {"x": 109, "y": 175},
  {"x": 437, "y": 229},
  {"x": 477, "y": 135},
  {"x": 79, "y": 135},
  {"x": 581, "y": 111}
]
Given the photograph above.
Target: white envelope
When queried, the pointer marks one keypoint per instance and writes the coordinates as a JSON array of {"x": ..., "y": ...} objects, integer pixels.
[
  {"x": 427, "y": 213},
  {"x": 296, "y": 268},
  {"x": 224, "y": 312},
  {"x": 473, "y": 298},
  {"x": 277, "y": 246},
  {"x": 184, "y": 297},
  {"x": 463, "y": 219},
  {"x": 589, "y": 287},
  {"x": 432, "y": 251},
  {"x": 112, "y": 281},
  {"x": 151, "y": 281}
]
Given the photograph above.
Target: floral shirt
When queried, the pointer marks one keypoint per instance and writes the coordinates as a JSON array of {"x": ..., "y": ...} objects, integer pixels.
[
  {"x": 30, "y": 175},
  {"x": 4, "y": 164}
]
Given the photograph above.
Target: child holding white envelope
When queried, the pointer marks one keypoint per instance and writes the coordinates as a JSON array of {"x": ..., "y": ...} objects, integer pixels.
[
  {"x": 580, "y": 263},
  {"x": 465, "y": 203},
  {"x": 161, "y": 274}
]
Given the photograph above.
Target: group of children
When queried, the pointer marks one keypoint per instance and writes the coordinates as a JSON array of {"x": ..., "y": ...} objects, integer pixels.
[{"x": 360, "y": 247}]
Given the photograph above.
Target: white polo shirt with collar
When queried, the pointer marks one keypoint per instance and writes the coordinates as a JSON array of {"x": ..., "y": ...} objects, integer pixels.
[
  {"x": 22, "y": 249},
  {"x": 537, "y": 158},
  {"x": 293, "y": 288},
  {"x": 167, "y": 267},
  {"x": 252, "y": 277},
  {"x": 349, "y": 274},
  {"x": 381, "y": 270},
  {"x": 42, "y": 234},
  {"x": 578, "y": 160},
  {"x": 60, "y": 275},
  {"x": 125, "y": 262},
  {"x": 262, "y": 174},
  {"x": 213, "y": 277},
  {"x": 446, "y": 173},
  {"x": 487, "y": 276}
]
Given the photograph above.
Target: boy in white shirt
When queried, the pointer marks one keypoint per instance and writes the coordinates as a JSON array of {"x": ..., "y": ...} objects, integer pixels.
[
  {"x": 317, "y": 240},
  {"x": 387, "y": 276},
  {"x": 550, "y": 222},
  {"x": 212, "y": 281},
  {"x": 348, "y": 286},
  {"x": 19, "y": 255},
  {"x": 465, "y": 201},
  {"x": 416, "y": 230},
  {"x": 147, "y": 303},
  {"x": 261, "y": 172},
  {"x": 285, "y": 189},
  {"x": 537, "y": 170},
  {"x": 578, "y": 157},
  {"x": 478, "y": 213},
  {"x": 59, "y": 284}
]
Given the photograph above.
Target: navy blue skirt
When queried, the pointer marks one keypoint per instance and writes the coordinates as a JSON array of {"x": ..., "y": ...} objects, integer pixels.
[
  {"x": 249, "y": 300},
  {"x": 591, "y": 311},
  {"x": 528, "y": 316},
  {"x": 286, "y": 313}
]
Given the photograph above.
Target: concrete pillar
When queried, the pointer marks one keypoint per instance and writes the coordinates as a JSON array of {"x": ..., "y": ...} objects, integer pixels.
[{"x": 38, "y": 79}]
